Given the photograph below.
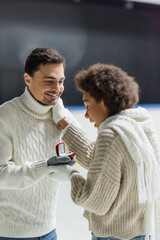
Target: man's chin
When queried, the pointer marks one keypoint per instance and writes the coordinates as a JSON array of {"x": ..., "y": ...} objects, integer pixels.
[
  {"x": 54, "y": 102},
  {"x": 50, "y": 103}
]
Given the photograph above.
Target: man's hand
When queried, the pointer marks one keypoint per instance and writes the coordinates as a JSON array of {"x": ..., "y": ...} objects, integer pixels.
[
  {"x": 63, "y": 172},
  {"x": 58, "y": 160},
  {"x": 73, "y": 161},
  {"x": 61, "y": 160},
  {"x": 58, "y": 111},
  {"x": 62, "y": 115}
]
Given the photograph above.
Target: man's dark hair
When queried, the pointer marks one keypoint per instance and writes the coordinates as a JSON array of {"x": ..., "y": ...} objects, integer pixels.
[
  {"x": 42, "y": 56},
  {"x": 110, "y": 84}
]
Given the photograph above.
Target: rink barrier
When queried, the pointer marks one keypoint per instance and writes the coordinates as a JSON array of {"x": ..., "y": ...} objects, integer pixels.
[{"x": 79, "y": 108}]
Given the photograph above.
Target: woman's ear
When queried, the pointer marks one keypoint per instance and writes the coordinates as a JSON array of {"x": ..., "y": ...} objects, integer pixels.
[
  {"x": 106, "y": 109},
  {"x": 27, "y": 78}
]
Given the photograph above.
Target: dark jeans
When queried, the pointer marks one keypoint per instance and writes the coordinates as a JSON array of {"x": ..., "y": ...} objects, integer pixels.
[
  {"x": 49, "y": 236},
  {"x": 141, "y": 237}
]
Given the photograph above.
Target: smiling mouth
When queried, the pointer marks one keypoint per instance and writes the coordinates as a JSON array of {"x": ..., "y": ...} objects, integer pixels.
[
  {"x": 53, "y": 95},
  {"x": 91, "y": 120}
]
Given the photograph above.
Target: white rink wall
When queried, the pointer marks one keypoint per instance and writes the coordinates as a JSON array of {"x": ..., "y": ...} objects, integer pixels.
[
  {"x": 154, "y": 110},
  {"x": 71, "y": 225}
]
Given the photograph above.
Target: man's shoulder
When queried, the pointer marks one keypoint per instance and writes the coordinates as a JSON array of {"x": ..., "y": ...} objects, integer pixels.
[{"x": 9, "y": 107}]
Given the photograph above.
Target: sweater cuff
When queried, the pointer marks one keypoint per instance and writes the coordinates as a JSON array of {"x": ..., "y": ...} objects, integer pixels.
[
  {"x": 41, "y": 168},
  {"x": 74, "y": 174},
  {"x": 65, "y": 129}
]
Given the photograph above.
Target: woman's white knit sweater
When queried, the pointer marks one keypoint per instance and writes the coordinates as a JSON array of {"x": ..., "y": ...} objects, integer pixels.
[
  {"x": 28, "y": 195},
  {"x": 110, "y": 194}
]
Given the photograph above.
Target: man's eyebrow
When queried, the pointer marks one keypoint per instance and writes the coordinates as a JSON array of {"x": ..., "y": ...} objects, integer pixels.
[
  {"x": 49, "y": 77},
  {"x": 52, "y": 78},
  {"x": 85, "y": 100}
]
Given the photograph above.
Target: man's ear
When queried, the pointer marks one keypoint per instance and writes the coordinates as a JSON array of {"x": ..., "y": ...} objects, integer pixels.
[{"x": 27, "y": 78}]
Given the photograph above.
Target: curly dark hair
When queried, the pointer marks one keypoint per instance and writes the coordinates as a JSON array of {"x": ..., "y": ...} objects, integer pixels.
[
  {"x": 110, "y": 84},
  {"x": 42, "y": 56}
]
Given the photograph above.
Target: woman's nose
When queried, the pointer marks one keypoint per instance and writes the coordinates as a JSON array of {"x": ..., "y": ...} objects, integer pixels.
[{"x": 86, "y": 114}]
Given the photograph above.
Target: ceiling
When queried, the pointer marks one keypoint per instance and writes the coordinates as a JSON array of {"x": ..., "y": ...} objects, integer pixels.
[{"x": 147, "y": 1}]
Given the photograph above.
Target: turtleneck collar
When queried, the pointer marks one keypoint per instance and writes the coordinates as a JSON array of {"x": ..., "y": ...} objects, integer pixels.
[{"x": 34, "y": 107}]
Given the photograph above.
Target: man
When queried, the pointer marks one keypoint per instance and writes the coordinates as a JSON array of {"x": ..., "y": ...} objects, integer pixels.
[{"x": 28, "y": 192}]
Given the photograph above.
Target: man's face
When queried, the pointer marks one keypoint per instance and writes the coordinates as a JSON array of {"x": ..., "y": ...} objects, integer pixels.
[{"x": 47, "y": 84}]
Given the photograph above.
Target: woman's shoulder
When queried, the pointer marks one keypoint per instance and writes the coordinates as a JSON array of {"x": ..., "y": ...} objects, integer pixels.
[
  {"x": 109, "y": 133},
  {"x": 110, "y": 137}
]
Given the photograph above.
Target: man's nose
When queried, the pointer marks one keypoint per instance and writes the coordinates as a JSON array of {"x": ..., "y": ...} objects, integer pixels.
[{"x": 56, "y": 86}]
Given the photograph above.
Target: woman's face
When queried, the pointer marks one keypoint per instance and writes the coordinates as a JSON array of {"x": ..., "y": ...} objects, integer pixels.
[{"x": 96, "y": 111}]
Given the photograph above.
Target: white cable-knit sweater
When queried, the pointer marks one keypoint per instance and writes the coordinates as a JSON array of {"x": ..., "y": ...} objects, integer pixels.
[{"x": 28, "y": 195}]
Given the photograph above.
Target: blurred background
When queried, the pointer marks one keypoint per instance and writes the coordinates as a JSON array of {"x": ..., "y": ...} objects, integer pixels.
[{"x": 123, "y": 33}]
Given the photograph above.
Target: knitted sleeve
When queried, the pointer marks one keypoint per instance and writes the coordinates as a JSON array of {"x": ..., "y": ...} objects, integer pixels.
[
  {"x": 98, "y": 192},
  {"x": 13, "y": 176},
  {"x": 78, "y": 142}
]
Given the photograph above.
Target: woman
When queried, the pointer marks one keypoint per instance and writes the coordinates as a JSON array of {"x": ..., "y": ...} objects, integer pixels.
[{"x": 121, "y": 191}]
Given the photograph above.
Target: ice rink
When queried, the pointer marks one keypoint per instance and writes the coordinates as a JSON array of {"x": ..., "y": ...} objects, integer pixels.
[{"x": 71, "y": 225}]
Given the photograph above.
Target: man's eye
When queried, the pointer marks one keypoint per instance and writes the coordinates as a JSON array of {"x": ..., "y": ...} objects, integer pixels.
[
  {"x": 61, "y": 81},
  {"x": 49, "y": 82}
]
